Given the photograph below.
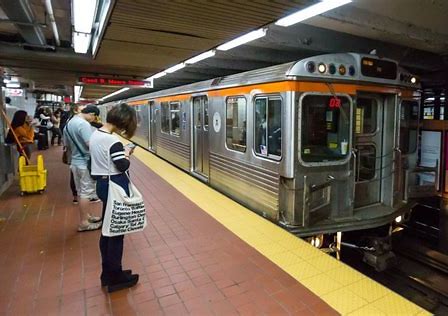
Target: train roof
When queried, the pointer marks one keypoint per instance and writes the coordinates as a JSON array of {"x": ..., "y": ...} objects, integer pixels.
[{"x": 343, "y": 67}]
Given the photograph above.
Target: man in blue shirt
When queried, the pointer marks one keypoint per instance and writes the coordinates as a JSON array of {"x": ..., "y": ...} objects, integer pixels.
[{"x": 76, "y": 136}]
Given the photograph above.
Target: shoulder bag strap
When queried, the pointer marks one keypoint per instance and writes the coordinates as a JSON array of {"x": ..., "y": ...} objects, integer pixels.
[{"x": 74, "y": 142}]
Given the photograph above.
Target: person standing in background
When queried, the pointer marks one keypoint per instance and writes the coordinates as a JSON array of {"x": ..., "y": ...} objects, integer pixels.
[
  {"x": 56, "y": 132},
  {"x": 77, "y": 135},
  {"x": 21, "y": 125},
  {"x": 44, "y": 124}
]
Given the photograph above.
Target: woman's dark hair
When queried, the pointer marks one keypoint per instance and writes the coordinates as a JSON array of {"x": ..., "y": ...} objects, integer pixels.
[
  {"x": 18, "y": 119},
  {"x": 124, "y": 118}
]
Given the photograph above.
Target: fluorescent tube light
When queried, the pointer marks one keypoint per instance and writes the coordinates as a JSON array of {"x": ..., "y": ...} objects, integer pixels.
[
  {"x": 114, "y": 93},
  {"x": 13, "y": 84},
  {"x": 175, "y": 68},
  {"x": 243, "y": 39},
  {"x": 157, "y": 75},
  {"x": 200, "y": 57},
  {"x": 81, "y": 42},
  {"x": 102, "y": 21},
  {"x": 77, "y": 90},
  {"x": 311, "y": 11},
  {"x": 83, "y": 15}
]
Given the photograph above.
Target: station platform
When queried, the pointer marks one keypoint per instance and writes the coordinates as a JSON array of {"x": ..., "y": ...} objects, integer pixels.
[{"x": 201, "y": 254}]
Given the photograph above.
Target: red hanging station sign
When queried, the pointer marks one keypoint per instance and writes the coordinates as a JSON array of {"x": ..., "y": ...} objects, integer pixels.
[{"x": 100, "y": 81}]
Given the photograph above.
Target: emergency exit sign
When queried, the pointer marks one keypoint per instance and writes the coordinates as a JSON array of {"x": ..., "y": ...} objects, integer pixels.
[{"x": 101, "y": 81}]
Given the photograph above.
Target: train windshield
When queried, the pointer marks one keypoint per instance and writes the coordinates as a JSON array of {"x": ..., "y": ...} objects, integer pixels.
[{"x": 325, "y": 128}]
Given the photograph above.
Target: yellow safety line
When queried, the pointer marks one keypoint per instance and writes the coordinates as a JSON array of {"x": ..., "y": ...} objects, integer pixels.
[{"x": 343, "y": 288}]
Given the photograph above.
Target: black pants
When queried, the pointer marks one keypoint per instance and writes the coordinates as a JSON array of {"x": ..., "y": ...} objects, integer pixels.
[
  {"x": 42, "y": 139},
  {"x": 56, "y": 133},
  {"x": 111, "y": 247}
]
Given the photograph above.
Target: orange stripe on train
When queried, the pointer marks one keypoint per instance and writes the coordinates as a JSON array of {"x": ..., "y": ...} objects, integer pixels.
[{"x": 284, "y": 86}]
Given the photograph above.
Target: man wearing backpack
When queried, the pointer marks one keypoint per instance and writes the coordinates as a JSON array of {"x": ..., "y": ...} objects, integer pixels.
[{"x": 76, "y": 135}]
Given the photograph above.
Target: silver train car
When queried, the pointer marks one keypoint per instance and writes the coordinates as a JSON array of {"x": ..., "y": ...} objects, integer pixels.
[{"x": 322, "y": 145}]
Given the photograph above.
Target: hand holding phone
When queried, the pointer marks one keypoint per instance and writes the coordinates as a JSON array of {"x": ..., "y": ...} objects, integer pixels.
[{"x": 129, "y": 148}]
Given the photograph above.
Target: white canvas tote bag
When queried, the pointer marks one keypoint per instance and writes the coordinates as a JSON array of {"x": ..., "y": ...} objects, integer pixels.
[{"x": 124, "y": 214}]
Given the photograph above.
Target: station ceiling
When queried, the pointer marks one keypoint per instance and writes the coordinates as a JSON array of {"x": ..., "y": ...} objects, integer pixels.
[{"x": 145, "y": 37}]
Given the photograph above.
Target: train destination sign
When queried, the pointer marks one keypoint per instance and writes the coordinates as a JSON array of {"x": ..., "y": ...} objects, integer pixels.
[{"x": 101, "y": 81}]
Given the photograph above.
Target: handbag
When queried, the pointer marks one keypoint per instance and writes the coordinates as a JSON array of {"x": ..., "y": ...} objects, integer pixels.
[
  {"x": 123, "y": 214},
  {"x": 67, "y": 155}
]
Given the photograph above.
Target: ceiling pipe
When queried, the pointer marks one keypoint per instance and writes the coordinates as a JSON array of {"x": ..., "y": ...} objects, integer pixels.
[{"x": 54, "y": 27}]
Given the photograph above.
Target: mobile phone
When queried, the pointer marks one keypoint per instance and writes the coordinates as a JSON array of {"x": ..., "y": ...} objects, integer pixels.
[{"x": 131, "y": 145}]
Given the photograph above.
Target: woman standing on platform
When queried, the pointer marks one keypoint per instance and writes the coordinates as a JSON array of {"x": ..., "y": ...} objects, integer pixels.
[
  {"x": 22, "y": 127},
  {"x": 111, "y": 159},
  {"x": 44, "y": 116}
]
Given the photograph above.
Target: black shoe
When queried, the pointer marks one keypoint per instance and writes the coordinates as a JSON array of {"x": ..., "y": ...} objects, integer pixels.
[
  {"x": 105, "y": 281},
  {"x": 124, "y": 283}
]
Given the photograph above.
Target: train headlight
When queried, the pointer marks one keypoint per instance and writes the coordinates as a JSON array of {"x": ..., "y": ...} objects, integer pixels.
[
  {"x": 317, "y": 241},
  {"x": 342, "y": 70},
  {"x": 413, "y": 80},
  {"x": 332, "y": 69},
  {"x": 322, "y": 68},
  {"x": 398, "y": 219}
]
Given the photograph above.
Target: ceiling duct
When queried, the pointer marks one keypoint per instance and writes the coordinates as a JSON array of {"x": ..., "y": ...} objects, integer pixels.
[{"x": 21, "y": 14}]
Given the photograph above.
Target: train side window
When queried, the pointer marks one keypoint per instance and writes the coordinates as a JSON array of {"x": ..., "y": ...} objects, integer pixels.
[
  {"x": 268, "y": 131},
  {"x": 165, "y": 117},
  {"x": 175, "y": 118},
  {"x": 205, "y": 113},
  {"x": 236, "y": 116}
]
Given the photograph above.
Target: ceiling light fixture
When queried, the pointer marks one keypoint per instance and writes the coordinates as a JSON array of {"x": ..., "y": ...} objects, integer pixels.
[
  {"x": 77, "y": 90},
  {"x": 83, "y": 14},
  {"x": 200, "y": 57},
  {"x": 99, "y": 30},
  {"x": 114, "y": 93},
  {"x": 175, "y": 68},
  {"x": 157, "y": 75},
  {"x": 81, "y": 42},
  {"x": 309, "y": 12},
  {"x": 13, "y": 84},
  {"x": 243, "y": 39}
]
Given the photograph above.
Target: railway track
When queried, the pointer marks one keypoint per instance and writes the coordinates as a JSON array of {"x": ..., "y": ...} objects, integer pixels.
[{"x": 421, "y": 278}]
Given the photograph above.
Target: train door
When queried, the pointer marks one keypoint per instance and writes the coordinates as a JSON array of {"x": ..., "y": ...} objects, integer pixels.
[
  {"x": 368, "y": 144},
  {"x": 200, "y": 146},
  {"x": 153, "y": 126}
]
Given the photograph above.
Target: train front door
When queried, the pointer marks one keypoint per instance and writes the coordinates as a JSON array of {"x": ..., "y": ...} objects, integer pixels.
[
  {"x": 200, "y": 136},
  {"x": 368, "y": 144}
]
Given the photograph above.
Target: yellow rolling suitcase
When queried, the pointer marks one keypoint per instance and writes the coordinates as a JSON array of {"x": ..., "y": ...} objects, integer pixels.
[{"x": 33, "y": 178}]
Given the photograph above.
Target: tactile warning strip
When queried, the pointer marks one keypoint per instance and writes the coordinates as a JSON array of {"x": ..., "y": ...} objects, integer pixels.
[{"x": 343, "y": 288}]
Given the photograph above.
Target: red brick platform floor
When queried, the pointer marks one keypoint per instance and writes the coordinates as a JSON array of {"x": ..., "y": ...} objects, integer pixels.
[{"x": 188, "y": 263}]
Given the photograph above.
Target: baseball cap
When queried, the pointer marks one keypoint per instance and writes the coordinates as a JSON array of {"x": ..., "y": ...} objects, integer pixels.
[{"x": 91, "y": 109}]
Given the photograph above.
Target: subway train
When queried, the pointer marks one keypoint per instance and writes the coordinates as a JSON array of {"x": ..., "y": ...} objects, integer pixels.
[{"x": 322, "y": 145}]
